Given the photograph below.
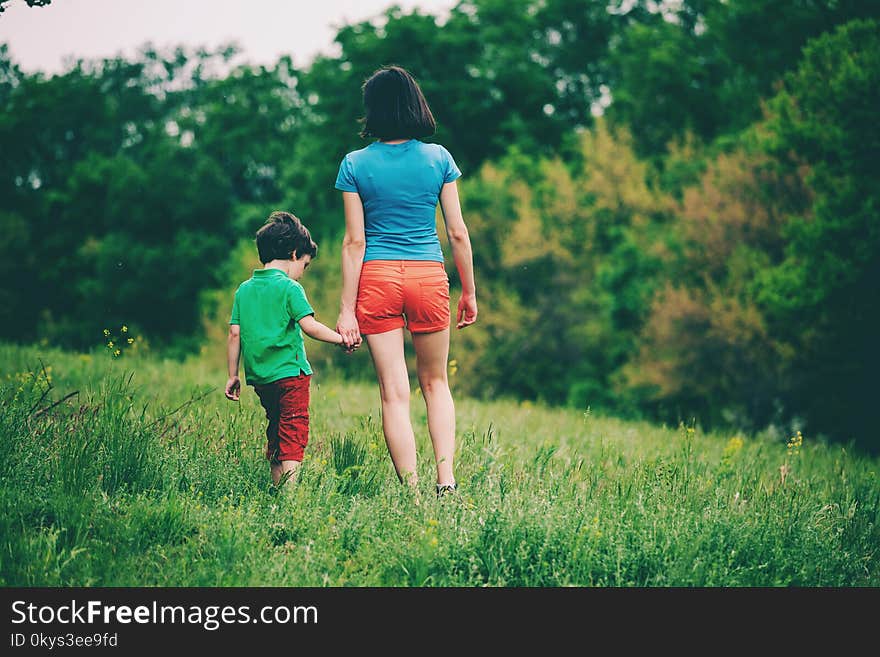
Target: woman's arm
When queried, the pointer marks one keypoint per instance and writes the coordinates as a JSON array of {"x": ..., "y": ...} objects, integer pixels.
[
  {"x": 353, "y": 245},
  {"x": 460, "y": 242}
]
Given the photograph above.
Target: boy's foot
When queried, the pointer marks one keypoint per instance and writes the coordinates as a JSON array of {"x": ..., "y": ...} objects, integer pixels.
[{"x": 446, "y": 489}]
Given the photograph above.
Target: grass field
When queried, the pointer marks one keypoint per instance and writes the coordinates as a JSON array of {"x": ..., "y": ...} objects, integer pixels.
[{"x": 149, "y": 477}]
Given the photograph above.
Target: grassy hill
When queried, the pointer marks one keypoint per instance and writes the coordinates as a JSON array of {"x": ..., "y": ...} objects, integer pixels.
[{"x": 148, "y": 476}]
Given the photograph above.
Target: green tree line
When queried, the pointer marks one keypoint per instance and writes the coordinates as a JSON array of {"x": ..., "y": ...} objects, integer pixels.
[{"x": 673, "y": 205}]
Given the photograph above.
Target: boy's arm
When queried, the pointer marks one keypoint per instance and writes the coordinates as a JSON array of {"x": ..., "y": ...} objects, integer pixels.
[
  {"x": 315, "y": 329},
  {"x": 233, "y": 356}
]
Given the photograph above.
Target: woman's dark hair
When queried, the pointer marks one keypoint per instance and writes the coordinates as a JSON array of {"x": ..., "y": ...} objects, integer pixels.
[
  {"x": 282, "y": 235},
  {"x": 395, "y": 107}
]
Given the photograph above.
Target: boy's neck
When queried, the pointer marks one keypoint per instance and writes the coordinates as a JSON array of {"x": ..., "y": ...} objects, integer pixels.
[{"x": 281, "y": 265}]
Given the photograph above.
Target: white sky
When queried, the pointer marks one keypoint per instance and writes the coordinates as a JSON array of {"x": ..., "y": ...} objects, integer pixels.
[{"x": 42, "y": 38}]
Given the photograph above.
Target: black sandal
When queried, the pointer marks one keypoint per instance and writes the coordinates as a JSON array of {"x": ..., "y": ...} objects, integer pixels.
[{"x": 445, "y": 489}]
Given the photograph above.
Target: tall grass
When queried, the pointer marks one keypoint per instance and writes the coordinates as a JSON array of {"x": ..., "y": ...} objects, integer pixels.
[{"x": 148, "y": 476}]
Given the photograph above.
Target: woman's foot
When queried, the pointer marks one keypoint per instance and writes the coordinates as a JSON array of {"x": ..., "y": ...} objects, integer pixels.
[{"x": 446, "y": 489}]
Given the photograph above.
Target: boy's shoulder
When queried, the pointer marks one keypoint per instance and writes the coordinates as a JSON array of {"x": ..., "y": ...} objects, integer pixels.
[
  {"x": 296, "y": 286},
  {"x": 282, "y": 281},
  {"x": 288, "y": 284},
  {"x": 243, "y": 285}
]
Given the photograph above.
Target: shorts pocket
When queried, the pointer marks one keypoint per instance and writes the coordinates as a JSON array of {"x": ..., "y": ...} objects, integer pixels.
[
  {"x": 433, "y": 304},
  {"x": 434, "y": 292}
]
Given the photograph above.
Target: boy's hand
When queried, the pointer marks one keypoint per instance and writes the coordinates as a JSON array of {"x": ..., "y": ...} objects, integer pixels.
[
  {"x": 346, "y": 349},
  {"x": 233, "y": 388}
]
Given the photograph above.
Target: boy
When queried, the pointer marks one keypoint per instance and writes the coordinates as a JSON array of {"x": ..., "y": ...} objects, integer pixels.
[{"x": 269, "y": 315}]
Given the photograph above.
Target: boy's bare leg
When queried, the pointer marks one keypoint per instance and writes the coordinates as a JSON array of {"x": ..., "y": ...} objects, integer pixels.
[
  {"x": 386, "y": 350},
  {"x": 432, "y": 350},
  {"x": 285, "y": 471}
]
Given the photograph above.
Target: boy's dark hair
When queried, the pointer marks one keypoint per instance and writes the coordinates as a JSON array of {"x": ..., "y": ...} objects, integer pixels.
[
  {"x": 282, "y": 235},
  {"x": 395, "y": 107}
]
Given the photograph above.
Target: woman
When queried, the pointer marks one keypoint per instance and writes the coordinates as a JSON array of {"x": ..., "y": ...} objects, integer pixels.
[{"x": 392, "y": 266}]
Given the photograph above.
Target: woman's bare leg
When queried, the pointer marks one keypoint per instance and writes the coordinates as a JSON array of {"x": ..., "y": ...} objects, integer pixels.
[
  {"x": 386, "y": 349},
  {"x": 432, "y": 351}
]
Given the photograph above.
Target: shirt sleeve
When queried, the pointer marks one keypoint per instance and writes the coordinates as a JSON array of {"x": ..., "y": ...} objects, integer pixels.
[
  {"x": 235, "y": 313},
  {"x": 297, "y": 303},
  {"x": 345, "y": 179},
  {"x": 451, "y": 172}
]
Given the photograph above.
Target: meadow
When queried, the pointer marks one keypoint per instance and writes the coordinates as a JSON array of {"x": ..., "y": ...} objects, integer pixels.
[{"x": 148, "y": 476}]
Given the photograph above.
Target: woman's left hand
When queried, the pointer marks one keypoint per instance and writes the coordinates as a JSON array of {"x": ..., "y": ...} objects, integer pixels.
[{"x": 347, "y": 327}]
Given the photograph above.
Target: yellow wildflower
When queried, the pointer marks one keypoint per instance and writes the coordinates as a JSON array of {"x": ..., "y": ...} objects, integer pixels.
[
  {"x": 795, "y": 443},
  {"x": 733, "y": 446}
]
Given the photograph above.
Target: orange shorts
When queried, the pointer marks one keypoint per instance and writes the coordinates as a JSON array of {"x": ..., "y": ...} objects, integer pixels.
[{"x": 397, "y": 293}]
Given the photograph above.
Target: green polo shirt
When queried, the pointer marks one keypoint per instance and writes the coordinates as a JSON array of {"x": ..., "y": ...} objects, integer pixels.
[{"x": 268, "y": 307}]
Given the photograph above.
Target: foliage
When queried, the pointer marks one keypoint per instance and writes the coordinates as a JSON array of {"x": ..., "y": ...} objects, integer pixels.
[
  {"x": 823, "y": 297},
  {"x": 706, "y": 65},
  {"x": 706, "y": 348},
  {"x": 120, "y": 207},
  {"x": 767, "y": 313},
  {"x": 669, "y": 220},
  {"x": 570, "y": 259}
]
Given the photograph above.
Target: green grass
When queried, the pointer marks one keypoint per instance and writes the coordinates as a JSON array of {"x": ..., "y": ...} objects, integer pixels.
[{"x": 149, "y": 477}]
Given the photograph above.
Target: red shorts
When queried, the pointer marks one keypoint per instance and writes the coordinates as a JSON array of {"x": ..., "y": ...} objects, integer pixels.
[
  {"x": 397, "y": 293},
  {"x": 287, "y": 408}
]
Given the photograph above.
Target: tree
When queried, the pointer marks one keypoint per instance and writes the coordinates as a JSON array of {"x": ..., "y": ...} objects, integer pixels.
[
  {"x": 568, "y": 260},
  {"x": 824, "y": 297},
  {"x": 706, "y": 349},
  {"x": 101, "y": 195},
  {"x": 706, "y": 66}
]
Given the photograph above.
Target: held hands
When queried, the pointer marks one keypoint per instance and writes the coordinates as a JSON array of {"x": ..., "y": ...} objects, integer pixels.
[
  {"x": 347, "y": 327},
  {"x": 233, "y": 388},
  {"x": 467, "y": 311},
  {"x": 348, "y": 349}
]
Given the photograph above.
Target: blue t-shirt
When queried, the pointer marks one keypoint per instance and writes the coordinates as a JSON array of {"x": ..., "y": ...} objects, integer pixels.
[{"x": 399, "y": 186}]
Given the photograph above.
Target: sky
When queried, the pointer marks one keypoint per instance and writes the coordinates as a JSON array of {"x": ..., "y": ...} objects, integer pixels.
[{"x": 45, "y": 38}]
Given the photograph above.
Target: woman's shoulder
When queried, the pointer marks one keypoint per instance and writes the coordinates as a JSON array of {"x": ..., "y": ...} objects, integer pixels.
[
  {"x": 373, "y": 152},
  {"x": 355, "y": 154},
  {"x": 435, "y": 151},
  {"x": 434, "y": 146}
]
